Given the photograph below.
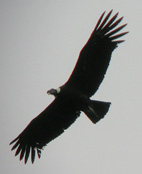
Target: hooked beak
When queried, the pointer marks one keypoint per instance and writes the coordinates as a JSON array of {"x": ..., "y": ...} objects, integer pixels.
[{"x": 52, "y": 92}]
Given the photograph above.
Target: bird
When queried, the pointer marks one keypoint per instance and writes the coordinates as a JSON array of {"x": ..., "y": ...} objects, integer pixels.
[{"x": 73, "y": 97}]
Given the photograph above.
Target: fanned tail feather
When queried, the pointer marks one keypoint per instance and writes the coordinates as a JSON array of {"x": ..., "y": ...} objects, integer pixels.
[{"x": 97, "y": 110}]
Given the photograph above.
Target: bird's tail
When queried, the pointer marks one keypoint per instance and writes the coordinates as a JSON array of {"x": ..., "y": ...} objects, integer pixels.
[{"x": 97, "y": 110}]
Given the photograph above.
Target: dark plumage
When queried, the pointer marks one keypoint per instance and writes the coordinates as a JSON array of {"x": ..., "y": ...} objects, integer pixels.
[{"x": 74, "y": 96}]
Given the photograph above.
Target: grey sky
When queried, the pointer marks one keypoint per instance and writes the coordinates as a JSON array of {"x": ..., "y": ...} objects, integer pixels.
[{"x": 40, "y": 43}]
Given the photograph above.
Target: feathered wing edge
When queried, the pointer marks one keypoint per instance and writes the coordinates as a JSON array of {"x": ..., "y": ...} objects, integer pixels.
[
  {"x": 25, "y": 150},
  {"x": 104, "y": 28}
]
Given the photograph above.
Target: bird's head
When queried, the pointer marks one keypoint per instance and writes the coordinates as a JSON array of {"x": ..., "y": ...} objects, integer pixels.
[{"x": 54, "y": 92}]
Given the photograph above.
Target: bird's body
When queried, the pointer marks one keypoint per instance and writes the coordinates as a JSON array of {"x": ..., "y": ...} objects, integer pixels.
[{"x": 73, "y": 97}]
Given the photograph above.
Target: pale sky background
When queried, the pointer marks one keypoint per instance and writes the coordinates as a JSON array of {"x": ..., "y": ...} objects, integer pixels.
[{"x": 40, "y": 43}]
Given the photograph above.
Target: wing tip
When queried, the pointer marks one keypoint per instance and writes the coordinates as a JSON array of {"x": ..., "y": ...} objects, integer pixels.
[
  {"x": 13, "y": 141},
  {"x": 25, "y": 151},
  {"x": 106, "y": 28}
]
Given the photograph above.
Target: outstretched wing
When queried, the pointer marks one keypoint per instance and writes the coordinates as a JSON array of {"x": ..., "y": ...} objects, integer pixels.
[
  {"x": 52, "y": 122},
  {"x": 95, "y": 56}
]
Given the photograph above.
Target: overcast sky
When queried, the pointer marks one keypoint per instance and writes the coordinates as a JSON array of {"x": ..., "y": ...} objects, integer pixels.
[{"x": 40, "y": 43}]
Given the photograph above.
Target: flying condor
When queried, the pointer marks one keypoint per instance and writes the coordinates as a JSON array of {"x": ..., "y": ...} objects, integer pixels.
[{"x": 74, "y": 96}]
